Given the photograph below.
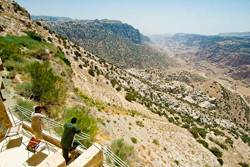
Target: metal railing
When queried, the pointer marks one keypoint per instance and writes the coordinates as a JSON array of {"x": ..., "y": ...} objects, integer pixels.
[
  {"x": 112, "y": 159},
  {"x": 51, "y": 126}
]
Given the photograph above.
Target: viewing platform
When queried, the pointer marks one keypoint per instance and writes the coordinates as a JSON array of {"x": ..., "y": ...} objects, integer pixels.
[{"x": 14, "y": 151}]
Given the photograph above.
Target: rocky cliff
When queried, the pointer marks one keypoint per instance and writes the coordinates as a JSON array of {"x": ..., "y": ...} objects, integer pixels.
[{"x": 114, "y": 41}]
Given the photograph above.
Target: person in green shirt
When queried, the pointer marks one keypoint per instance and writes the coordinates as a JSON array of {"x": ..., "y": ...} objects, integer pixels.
[{"x": 70, "y": 129}]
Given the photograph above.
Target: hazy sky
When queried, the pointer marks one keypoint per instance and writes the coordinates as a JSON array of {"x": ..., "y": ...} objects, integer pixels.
[{"x": 154, "y": 16}]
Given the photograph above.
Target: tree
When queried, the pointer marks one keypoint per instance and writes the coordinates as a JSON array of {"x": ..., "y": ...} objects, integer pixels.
[{"x": 46, "y": 86}]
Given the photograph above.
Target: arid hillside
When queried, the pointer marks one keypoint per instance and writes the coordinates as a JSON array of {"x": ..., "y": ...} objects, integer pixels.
[{"x": 161, "y": 117}]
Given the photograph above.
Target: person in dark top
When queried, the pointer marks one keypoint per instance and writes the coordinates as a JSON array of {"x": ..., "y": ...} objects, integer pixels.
[{"x": 70, "y": 129}]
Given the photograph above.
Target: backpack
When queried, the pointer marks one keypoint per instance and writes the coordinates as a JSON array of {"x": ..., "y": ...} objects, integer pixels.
[{"x": 33, "y": 144}]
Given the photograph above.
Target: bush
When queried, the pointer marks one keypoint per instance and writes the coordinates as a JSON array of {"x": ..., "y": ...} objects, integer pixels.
[
  {"x": 229, "y": 141},
  {"x": 139, "y": 123},
  {"x": 220, "y": 161},
  {"x": 85, "y": 121},
  {"x": 9, "y": 50},
  {"x": 216, "y": 152},
  {"x": 155, "y": 141},
  {"x": 176, "y": 162},
  {"x": 217, "y": 132},
  {"x": 113, "y": 82},
  {"x": 198, "y": 131},
  {"x": 123, "y": 151},
  {"x": 204, "y": 143},
  {"x": 245, "y": 138},
  {"x": 129, "y": 97},
  {"x": 24, "y": 89},
  {"x": 50, "y": 39},
  {"x": 34, "y": 36},
  {"x": 118, "y": 88},
  {"x": 91, "y": 72},
  {"x": 77, "y": 54},
  {"x": 11, "y": 75},
  {"x": 38, "y": 23},
  {"x": 194, "y": 133},
  {"x": 186, "y": 126},
  {"x": 27, "y": 104},
  {"x": 243, "y": 164},
  {"x": 223, "y": 146},
  {"x": 60, "y": 55},
  {"x": 134, "y": 140},
  {"x": 46, "y": 86}
]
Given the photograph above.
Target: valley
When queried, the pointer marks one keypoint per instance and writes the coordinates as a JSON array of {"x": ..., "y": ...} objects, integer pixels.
[{"x": 170, "y": 102}]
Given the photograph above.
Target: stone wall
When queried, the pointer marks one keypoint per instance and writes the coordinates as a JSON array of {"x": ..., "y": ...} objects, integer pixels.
[{"x": 4, "y": 118}]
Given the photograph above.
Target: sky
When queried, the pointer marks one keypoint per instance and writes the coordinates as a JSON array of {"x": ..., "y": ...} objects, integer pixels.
[{"x": 207, "y": 17}]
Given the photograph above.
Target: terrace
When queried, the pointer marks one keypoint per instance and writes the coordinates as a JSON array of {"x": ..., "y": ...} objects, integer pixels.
[{"x": 14, "y": 152}]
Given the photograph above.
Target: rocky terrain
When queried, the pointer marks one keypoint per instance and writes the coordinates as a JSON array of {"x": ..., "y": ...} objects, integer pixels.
[
  {"x": 227, "y": 52},
  {"x": 172, "y": 117},
  {"x": 114, "y": 41}
]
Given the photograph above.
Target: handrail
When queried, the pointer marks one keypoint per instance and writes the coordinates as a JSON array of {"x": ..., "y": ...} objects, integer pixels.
[
  {"x": 51, "y": 125},
  {"x": 113, "y": 157}
]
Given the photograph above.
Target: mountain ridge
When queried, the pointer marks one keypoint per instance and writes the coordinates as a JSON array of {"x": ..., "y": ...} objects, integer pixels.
[{"x": 114, "y": 41}]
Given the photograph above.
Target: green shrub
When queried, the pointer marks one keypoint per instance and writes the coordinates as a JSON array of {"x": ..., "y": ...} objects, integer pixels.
[
  {"x": 91, "y": 72},
  {"x": 139, "y": 123},
  {"x": 194, "y": 133},
  {"x": 156, "y": 142},
  {"x": 38, "y": 23},
  {"x": 85, "y": 121},
  {"x": 133, "y": 113},
  {"x": 198, "y": 131},
  {"x": 217, "y": 132},
  {"x": 9, "y": 50},
  {"x": 27, "y": 104},
  {"x": 113, "y": 82},
  {"x": 60, "y": 55},
  {"x": 119, "y": 88},
  {"x": 24, "y": 89},
  {"x": 11, "y": 74},
  {"x": 229, "y": 141},
  {"x": 220, "y": 161},
  {"x": 80, "y": 66},
  {"x": 34, "y": 36},
  {"x": 77, "y": 54},
  {"x": 50, "y": 39},
  {"x": 223, "y": 146},
  {"x": 204, "y": 143},
  {"x": 129, "y": 97},
  {"x": 18, "y": 66},
  {"x": 134, "y": 140},
  {"x": 186, "y": 126},
  {"x": 46, "y": 86},
  {"x": 216, "y": 152},
  {"x": 123, "y": 151},
  {"x": 176, "y": 162},
  {"x": 243, "y": 164},
  {"x": 245, "y": 138}
]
